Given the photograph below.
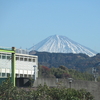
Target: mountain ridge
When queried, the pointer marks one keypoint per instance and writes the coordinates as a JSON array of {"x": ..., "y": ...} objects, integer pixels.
[{"x": 61, "y": 44}]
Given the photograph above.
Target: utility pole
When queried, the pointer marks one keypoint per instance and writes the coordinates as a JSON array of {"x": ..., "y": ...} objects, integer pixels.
[
  {"x": 70, "y": 81},
  {"x": 13, "y": 67},
  {"x": 34, "y": 72},
  {"x": 95, "y": 73}
]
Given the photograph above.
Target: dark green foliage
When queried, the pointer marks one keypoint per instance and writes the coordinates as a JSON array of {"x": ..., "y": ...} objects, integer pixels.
[
  {"x": 64, "y": 65},
  {"x": 6, "y": 88},
  {"x": 81, "y": 75},
  {"x": 64, "y": 72},
  {"x": 80, "y": 61},
  {"x": 8, "y": 92}
]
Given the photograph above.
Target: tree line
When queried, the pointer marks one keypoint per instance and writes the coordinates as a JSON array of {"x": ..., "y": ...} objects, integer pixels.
[
  {"x": 64, "y": 72},
  {"x": 80, "y": 62}
]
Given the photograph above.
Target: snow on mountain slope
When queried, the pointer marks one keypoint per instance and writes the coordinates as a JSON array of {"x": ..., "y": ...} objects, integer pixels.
[{"x": 61, "y": 44}]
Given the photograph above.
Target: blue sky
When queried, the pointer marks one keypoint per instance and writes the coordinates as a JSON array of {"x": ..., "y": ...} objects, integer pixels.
[{"x": 24, "y": 23}]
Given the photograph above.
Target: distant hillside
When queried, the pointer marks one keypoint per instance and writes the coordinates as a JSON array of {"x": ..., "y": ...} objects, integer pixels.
[{"x": 80, "y": 62}]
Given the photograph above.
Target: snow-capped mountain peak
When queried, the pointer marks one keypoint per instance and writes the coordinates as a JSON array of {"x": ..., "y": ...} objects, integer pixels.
[{"x": 61, "y": 44}]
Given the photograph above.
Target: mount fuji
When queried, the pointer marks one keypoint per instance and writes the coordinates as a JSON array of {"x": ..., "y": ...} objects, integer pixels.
[{"x": 61, "y": 44}]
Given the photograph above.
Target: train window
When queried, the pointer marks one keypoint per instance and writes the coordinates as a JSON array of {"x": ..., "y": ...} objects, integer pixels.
[
  {"x": 21, "y": 59},
  {"x": 25, "y": 75},
  {"x": 0, "y": 74},
  {"x": 21, "y": 75},
  {"x": 25, "y": 59},
  {"x": 3, "y": 56},
  {"x": 17, "y": 58},
  {"x": 0, "y": 56},
  {"x": 29, "y": 60},
  {"x": 29, "y": 76},
  {"x": 17, "y": 75},
  {"x": 8, "y": 57},
  {"x": 3, "y": 74},
  {"x": 8, "y": 74},
  {"x": 33, "y": 60}
]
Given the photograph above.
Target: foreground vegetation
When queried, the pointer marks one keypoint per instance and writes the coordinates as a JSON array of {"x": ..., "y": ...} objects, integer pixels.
[{"x": 8, "y": 92}]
